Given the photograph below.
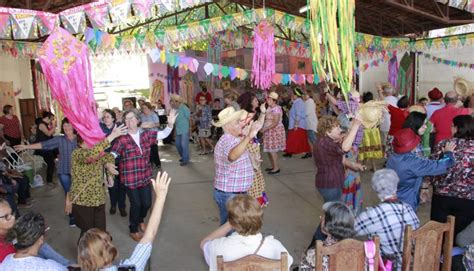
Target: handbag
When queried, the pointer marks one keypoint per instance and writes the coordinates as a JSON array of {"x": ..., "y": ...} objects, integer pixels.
[{"x": 369, "y": 248}]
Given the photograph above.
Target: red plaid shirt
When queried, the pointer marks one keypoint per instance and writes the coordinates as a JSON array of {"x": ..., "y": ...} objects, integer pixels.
[{"x": 135, "y": 168}]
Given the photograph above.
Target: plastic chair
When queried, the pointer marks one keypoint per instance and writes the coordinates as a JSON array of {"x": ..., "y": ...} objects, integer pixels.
[{"x": 15, "y": 161}]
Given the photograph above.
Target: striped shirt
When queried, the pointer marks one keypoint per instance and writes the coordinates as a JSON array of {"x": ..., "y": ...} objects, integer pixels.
[
  {"x": 139, "y": 257},
  {"x": 236, "y": 176}
]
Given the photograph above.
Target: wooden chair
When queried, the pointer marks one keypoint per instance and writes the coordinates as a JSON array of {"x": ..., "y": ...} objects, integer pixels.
[
  {"x": 422, "y": 247},
  {"x": 253, "y": 263},
  {"x": 348, "y": 254}
]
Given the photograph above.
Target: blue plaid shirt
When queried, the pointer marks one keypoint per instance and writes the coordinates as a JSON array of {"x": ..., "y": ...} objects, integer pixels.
[{"x": 65, "y": 147}]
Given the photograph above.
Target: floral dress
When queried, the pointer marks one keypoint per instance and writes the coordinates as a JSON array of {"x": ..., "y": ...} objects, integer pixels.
[
  {"x": 308, "y": 260},
  {"x": 274, "y": 139}
]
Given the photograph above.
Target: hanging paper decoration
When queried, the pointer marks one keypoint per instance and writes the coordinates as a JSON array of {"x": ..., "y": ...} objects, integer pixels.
[
  {"x": 47, "y": 22},
  {"x": 333, "y": 22},
  {"x": 120, "y": 11},
  {"x": 5, "y": 26},
  {"x": 74, "y": 22},
  {"x": 24, "y": 26},
  {"x": 393, "y": 70},
  {"x": 98, "y": 14},
  {"x": 142, "y": 8},
  {"x": 263, "y": 62},
  {"x": 66, "y": 66}
]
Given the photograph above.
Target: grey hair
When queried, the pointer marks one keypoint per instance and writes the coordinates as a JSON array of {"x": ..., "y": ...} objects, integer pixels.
[
  {"x": 385, "y": 182},
  {"x": 338, "y": 220},
  {"x": 135, "y": 112}
]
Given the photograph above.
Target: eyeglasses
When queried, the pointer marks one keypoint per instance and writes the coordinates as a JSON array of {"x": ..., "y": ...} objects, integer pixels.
[{"x": 9, "y": 216}]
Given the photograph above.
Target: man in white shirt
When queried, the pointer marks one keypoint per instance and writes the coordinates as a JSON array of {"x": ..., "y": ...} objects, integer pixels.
[
  {"x": 386, "y": 93},
  {"x": 311, "y": 121}
]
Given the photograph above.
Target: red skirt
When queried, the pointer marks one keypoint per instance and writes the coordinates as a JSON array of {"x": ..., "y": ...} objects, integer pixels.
[{"x": 297, "y": 141}]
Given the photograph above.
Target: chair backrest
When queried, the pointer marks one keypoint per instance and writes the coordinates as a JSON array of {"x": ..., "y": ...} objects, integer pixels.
[
  {"x": 348, "y": 254},
  {"x": 422, "y": 247},
  {"x": 254, "y": 263}
]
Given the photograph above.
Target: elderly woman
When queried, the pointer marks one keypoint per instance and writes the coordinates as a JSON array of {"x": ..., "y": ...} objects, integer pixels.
[
  {"x": 411, "y": 168},
  {"x": 135, "y": 168},
  {"x": 337, "y": 224},
  {"x": 389, "y": 218},
  {"x": 297, "y": 141},
  {"x": 182, "y": 128},
  {"x": 86, "y": 199},
  {"x": 10, "y": 128},
  {"x": 453, "y": 193},
  {"x": 117, "y": 192},
  {"x": 273, "y": 132},
  {"x": 97, "y": 252},
  {"x": 328, "y": 154},
  {"x": 151, "y": 121},
  {"x": 204, "y": 118},
  {"x": 246, "y": 219},
  {"x": 29, "y": 233}
]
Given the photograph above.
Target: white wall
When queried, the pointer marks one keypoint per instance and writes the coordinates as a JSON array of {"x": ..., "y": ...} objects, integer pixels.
[
  {"x": 442, "y": 76},
  {"x": 17, "y": 71}
]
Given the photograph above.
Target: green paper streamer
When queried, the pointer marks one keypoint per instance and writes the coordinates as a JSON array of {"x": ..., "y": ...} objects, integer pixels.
[
  {"x": 139, "y": 37},
  {"x": 118, "y": 41}
]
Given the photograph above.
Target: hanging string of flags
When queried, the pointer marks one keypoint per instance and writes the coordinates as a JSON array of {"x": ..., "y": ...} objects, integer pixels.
[
  {"x": 451, "y": 63},
  {"x": 211, "y": 69},
  {"x": 31, "y": 24}
]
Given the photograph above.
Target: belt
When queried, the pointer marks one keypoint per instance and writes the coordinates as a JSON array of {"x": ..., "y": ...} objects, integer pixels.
[{"x": 237, "y": 193}]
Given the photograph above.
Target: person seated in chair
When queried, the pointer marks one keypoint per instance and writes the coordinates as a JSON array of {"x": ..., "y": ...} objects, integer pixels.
[
  {"x": 246, "y": 219},
  {"x": 389, "y": 218},
  {"x": 337, "y": 224}
]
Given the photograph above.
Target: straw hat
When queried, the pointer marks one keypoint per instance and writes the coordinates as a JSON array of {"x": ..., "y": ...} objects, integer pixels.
[
  {"x": 462, "y": 87},
  {"x": 370, "y": 113},
  {"x": 177, "y": 98},
  {"x": 273, "y": 95},
  {"x": 417, "y": 108},
  {"x": 227, "y": 115}
]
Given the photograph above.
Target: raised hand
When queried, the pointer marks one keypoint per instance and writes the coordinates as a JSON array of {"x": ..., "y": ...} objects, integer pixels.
[
  {"x": 263, "y": 108},
  {"x": 172, "y": 118},
  {"x": 117, "y": 131},
  {"x": 161, "y": 184}
]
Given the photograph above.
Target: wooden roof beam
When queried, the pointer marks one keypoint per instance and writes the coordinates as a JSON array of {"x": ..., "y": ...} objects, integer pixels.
[{"x": 425, "y": 14}]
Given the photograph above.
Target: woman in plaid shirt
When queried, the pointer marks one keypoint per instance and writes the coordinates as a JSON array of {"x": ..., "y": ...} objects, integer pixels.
[{"x": 135, "y": 167}]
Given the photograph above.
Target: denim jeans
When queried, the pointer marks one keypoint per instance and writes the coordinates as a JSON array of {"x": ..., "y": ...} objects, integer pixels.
[
  {"x": 117, "y": 194},
  {"x": 331, "y": 194},
  {"x": 221, "y": 198},
  {"x": 182, "y": 145},
  {"x": 48, "y": 253},
  {"x": 140, "y": 203},
  {"x": 65, "y": 180}
]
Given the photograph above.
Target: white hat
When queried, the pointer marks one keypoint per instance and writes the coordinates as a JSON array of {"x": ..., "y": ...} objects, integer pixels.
[
  {"x": 273, "y": 95},
  {"x": 227, "y": 115}
]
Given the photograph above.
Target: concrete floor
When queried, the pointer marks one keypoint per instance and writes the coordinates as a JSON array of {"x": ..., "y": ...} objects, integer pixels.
[{"x": 190, "y": 212}]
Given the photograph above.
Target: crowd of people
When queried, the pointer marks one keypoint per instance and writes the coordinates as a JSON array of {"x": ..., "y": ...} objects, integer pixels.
[{"x": 428, "y": 149}]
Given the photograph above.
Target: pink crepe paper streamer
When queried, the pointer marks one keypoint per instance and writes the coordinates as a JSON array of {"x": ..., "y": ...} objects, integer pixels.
[
  {"x": 263, "y": 64},
  {"x": 393, "y": 71},
  {"x": 67, "y": 70}
]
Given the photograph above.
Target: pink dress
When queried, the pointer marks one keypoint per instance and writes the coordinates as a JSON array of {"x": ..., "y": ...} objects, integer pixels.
[{"x": 274, "y": 140}]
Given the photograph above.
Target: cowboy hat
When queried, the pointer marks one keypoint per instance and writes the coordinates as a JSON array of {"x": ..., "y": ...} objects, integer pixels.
[
  {"x": 462, "y": 87},
  {"x": 405, "y": 140},
  {"x": 273, "y": 95},
  {"x": 227, "y": 115},
  {"x": 417, "y": 108},
  {"x": 370, "y": 113}
]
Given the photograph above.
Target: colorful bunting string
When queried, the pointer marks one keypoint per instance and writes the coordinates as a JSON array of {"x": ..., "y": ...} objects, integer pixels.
[{"x": 451, "y": 63}]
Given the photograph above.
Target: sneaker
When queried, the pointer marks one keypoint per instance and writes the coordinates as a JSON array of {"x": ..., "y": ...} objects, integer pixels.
[
  {"x": 183, "y": 163},
  {"x": 72, "y": 223}
]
